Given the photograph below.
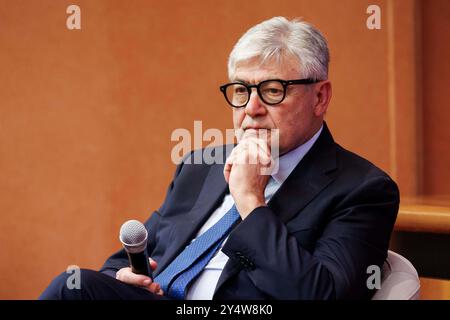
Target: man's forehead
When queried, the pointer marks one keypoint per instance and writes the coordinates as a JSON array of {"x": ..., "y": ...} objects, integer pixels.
[{"x": 254, "y": 70}]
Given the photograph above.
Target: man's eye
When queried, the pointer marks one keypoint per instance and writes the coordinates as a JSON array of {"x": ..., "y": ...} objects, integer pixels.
[
  {"x": 273, "y": 91},
  {"x": 240, "y": 90}
]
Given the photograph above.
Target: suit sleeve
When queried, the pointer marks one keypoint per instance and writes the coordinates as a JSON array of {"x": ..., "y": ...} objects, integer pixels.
[
  {"x": 356, "y": 236},
  {"x": 119, "y": 259}
]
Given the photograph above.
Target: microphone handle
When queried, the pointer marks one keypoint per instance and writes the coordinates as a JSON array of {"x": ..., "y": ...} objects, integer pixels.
[{"x": 139, "y": 263}]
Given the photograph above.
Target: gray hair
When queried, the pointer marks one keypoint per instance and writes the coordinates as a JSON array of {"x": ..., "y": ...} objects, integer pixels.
[{"x": 279, "y": 38}]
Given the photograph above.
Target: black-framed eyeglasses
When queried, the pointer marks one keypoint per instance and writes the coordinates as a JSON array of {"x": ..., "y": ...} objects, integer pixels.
[{"x": 271, "y": 91}]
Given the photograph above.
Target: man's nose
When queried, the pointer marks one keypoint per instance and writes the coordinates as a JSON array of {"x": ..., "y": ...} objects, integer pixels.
[{"x": 255, "y": 107}]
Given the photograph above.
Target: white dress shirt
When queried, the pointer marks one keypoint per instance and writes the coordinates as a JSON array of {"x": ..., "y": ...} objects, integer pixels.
[{"x": 204, "y": 285}]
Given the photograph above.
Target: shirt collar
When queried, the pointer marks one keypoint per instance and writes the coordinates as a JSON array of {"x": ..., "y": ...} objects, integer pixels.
[{"x": 288, "y": 161}]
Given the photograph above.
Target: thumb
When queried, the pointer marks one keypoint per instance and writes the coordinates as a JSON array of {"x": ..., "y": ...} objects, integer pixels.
[{"x": 153, "y": 264}]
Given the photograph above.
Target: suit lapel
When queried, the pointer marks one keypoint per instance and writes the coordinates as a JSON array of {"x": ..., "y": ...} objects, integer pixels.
[
  {"x": 186, "y": 226},
  {"x": 308, "y": 178}
]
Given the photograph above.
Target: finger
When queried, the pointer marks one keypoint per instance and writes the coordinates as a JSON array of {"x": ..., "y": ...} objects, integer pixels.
[
  {"x": 250, "y": 151},
  {"x": 228, "y": 166},
  {"x": 261, "y": 144},
  {"x": 237, "y": 155},
  {"x": 154, "y": 287},
  {"x": 254, "y": 143},
  {"x": 257, "y": 153},
  {"x": 262, "y": 152},
  {"x": 249, "y": 133},
  {"x": 242, "y": 157},
  {"x": 226, "y": 173},
  {"x": 153, "y": 264},
  {"x": 264, "y": 146},
  {"x": 127, "y": 276},
  {"x": 265, "y": 160}
]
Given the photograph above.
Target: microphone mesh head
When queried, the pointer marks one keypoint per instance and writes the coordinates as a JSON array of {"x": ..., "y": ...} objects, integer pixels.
[{"x": 133, "y": 234}]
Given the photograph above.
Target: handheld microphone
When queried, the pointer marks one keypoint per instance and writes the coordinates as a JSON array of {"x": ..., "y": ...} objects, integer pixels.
[{"x": 133, "y": 236}]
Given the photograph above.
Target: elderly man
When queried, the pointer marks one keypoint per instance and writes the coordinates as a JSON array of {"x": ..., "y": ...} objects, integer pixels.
[{"x": 309, "y": 230}]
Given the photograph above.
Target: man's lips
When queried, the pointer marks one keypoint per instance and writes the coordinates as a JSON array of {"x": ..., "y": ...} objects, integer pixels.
[{"x": 256, "y": 128}]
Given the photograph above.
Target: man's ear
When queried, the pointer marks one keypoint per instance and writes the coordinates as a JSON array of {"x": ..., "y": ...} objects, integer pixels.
[{"x": 323, "y": 93}]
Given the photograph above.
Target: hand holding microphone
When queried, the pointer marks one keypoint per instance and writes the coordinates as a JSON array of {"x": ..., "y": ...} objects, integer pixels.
[{"x": 133, "y": 236}]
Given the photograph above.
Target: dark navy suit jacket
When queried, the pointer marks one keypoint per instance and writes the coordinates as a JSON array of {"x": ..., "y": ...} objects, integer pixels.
[{"x": 329, "y": 221}]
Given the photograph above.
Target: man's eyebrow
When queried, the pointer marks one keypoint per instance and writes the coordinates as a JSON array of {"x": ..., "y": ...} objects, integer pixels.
[
  {"x": 246, "y": 82},
  {"x": 241, "y": 81}
]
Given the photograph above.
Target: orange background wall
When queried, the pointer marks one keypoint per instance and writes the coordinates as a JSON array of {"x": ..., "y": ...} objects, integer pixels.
[
  {"x": 436, "y": 101},
  {"x": 86, "y": 115}
]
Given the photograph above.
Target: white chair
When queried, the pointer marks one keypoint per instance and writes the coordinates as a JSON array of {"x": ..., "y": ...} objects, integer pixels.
[{"x": 399, "y": 280}]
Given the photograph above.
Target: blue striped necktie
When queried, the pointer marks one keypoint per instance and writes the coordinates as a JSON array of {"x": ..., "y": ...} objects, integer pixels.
[{"x": 177, "y": 276}]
